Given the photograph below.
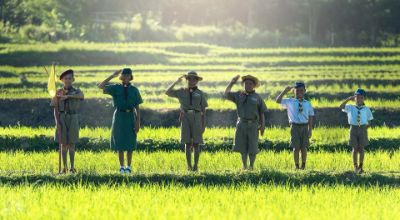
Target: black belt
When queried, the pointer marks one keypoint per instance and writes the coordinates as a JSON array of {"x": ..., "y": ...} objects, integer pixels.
[
  {"x": 125, "y": 110},
  {"x": 191, "y": 111},
  {"x": 299, "y": 124},
  {"x": 69, "y": 112},
  {"x": 247, "y": 120}
]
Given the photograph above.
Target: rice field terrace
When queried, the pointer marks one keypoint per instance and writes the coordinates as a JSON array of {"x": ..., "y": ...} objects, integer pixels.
[
  {"x": 160, "y": 187},
  {"x": 331, "y": 74}
]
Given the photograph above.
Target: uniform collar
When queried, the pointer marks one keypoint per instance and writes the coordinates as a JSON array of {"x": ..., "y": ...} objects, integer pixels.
[
  {"x": 359, "y": 107},
  {"x": 301, "y": 100},
  {"x": 192, "y": 89},
  {"x": 68, "y": 89},
  {"x": 248, "y": 93}
]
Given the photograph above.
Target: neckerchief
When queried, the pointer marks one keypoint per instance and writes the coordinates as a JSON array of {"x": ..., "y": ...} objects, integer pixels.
[
  {"x": 126, "y": 86},
  {"x": 191, "y": 90}
]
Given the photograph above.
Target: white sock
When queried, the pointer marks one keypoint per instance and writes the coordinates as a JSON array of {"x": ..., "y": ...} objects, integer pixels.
[
  {"x": 121, "y": 167},
  {"x": 128, "y": 167}
]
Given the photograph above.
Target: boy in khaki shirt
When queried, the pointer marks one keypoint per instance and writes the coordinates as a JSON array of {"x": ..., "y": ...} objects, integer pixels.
[
  {"x": 250, "y": 111},
  {"x": 193, "y": 104},
  {"x": 67, "y": 101}
]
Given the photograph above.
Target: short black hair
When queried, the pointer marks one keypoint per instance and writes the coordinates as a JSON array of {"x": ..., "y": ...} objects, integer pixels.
[{"x": 66, "y": 72}]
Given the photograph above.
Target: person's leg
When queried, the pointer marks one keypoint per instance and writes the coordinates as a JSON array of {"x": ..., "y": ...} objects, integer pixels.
[
  {"x": 361, "y": 152},
  {"x": 188, "y": 152},
  {"x": 121, "y": 158},
  {"x": 129, "y": 158},
  {"x": 128, "y": 168},
  {"x": 64, "y": 149},
  {"x": 295, "y": 144},
  {"x": 354, "y": 154},
  {"x": 71, "y": 151},
  {"x": 296, "y": 152},
  {"x": 303, "y": 151},
  {"x": 252, "y": 160},
  {"x": 196, "y": 156},
  {"x": 244, "y": 160}
]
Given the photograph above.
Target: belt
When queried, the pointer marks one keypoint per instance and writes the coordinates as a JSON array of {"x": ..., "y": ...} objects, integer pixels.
[
  {"x": 299, "y": 124},
  {"x": 69, "y": 112},
  {"x": 247, "y": 120},
  {"x": 125, "y": 110},
  {"x": 191, "y": 111},
  {"x": 356, "y": 126}
]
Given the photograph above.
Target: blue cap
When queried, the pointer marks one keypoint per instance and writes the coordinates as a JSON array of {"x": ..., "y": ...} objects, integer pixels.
[
  {"x": 299, "y": 85},
  {"x": 360, "y": 92}
]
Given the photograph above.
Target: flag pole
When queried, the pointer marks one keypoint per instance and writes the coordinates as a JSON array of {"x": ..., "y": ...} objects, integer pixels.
[
  {"x": 57, "y": 109},
  {"x": 51, "y": 86}
]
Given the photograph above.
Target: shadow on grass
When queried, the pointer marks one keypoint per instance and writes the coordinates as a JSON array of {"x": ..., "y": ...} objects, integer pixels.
[{"x": 290, "y": 179}]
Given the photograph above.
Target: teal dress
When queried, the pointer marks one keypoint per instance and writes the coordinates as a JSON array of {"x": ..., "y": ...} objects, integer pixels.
[{"x": 123, "y": 135}]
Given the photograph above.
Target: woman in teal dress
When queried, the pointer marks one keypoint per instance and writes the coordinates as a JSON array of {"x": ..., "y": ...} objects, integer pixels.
[{"x": 126, "y": 119}]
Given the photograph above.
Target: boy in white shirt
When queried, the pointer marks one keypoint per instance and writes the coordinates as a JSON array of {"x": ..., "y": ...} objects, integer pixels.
[
  {"x": 359, "y": 117},
  {"x": 301, "y": 118}
]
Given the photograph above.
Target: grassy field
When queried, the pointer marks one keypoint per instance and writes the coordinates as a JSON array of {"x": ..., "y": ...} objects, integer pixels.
[
  {"x": 160, "y": 187},
  {"x": 217, "y": 202},
  {"x": 216, "y": 139}
]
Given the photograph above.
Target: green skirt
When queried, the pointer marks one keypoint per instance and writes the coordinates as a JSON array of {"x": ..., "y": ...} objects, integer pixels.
[{"x": 123, "y": 135}]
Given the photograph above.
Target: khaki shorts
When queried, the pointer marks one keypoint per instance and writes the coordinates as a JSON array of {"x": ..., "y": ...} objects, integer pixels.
[
  {"x": 246, "y": 138},
  {"x": 69, "y": 129},
  {"x": 299, "y": 136},
  {"x": 358, "y": 136},
  {"x": 191, "y": 128}
]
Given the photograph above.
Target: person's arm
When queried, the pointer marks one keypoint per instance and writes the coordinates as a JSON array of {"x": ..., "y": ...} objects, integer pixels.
[
  {"x": 283, "y": 93},
  {"x": 310, "y": 125},
  {"x": 103, "y": 84},
  {"x": 171, "y": 87},
  {"x": 137, "y": 123},
  {"x": 204, "y": 105},
  {"x": 79, "y": 95},
  {"x": 203, "y": 120},
  {"x": 230, "y": 85},
  {"x": 262, "y": 110},
  {"x": 370, "y": 118},
  {"x": 343, "y": 105},
  {"x": 262, "y": 124}
]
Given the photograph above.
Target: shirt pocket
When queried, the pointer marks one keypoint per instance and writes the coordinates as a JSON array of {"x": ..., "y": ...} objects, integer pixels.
[{"x": 196, "y": 99}]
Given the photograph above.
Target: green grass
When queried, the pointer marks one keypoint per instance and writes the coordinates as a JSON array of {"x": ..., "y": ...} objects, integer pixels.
[
  {"x": 177, "y": 202},
  {"x": 173, "y": 162},
  {"x": 216, "y": 139},
  {"x": 161, "y": 186}
]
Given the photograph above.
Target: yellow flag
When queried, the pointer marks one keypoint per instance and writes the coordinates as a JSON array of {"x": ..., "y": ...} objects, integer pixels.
[{"x": 51, "y": 84}]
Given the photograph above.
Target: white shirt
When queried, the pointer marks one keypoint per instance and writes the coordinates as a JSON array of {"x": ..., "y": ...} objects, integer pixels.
[
  {"x": 352, "y": 114},
  {"x": 294, "y": 115}
]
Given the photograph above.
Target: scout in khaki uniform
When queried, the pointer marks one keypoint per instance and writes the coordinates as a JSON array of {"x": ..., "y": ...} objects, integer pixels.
[
  {"x": 359, "y": 118},
  {"x": 67, "y": 101},
  {"x": 126, "y": 118},
  {"x": 301, "y": 118},
  {"x": 250, "y": 111},
  {"x": 193, "y": 103}
]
